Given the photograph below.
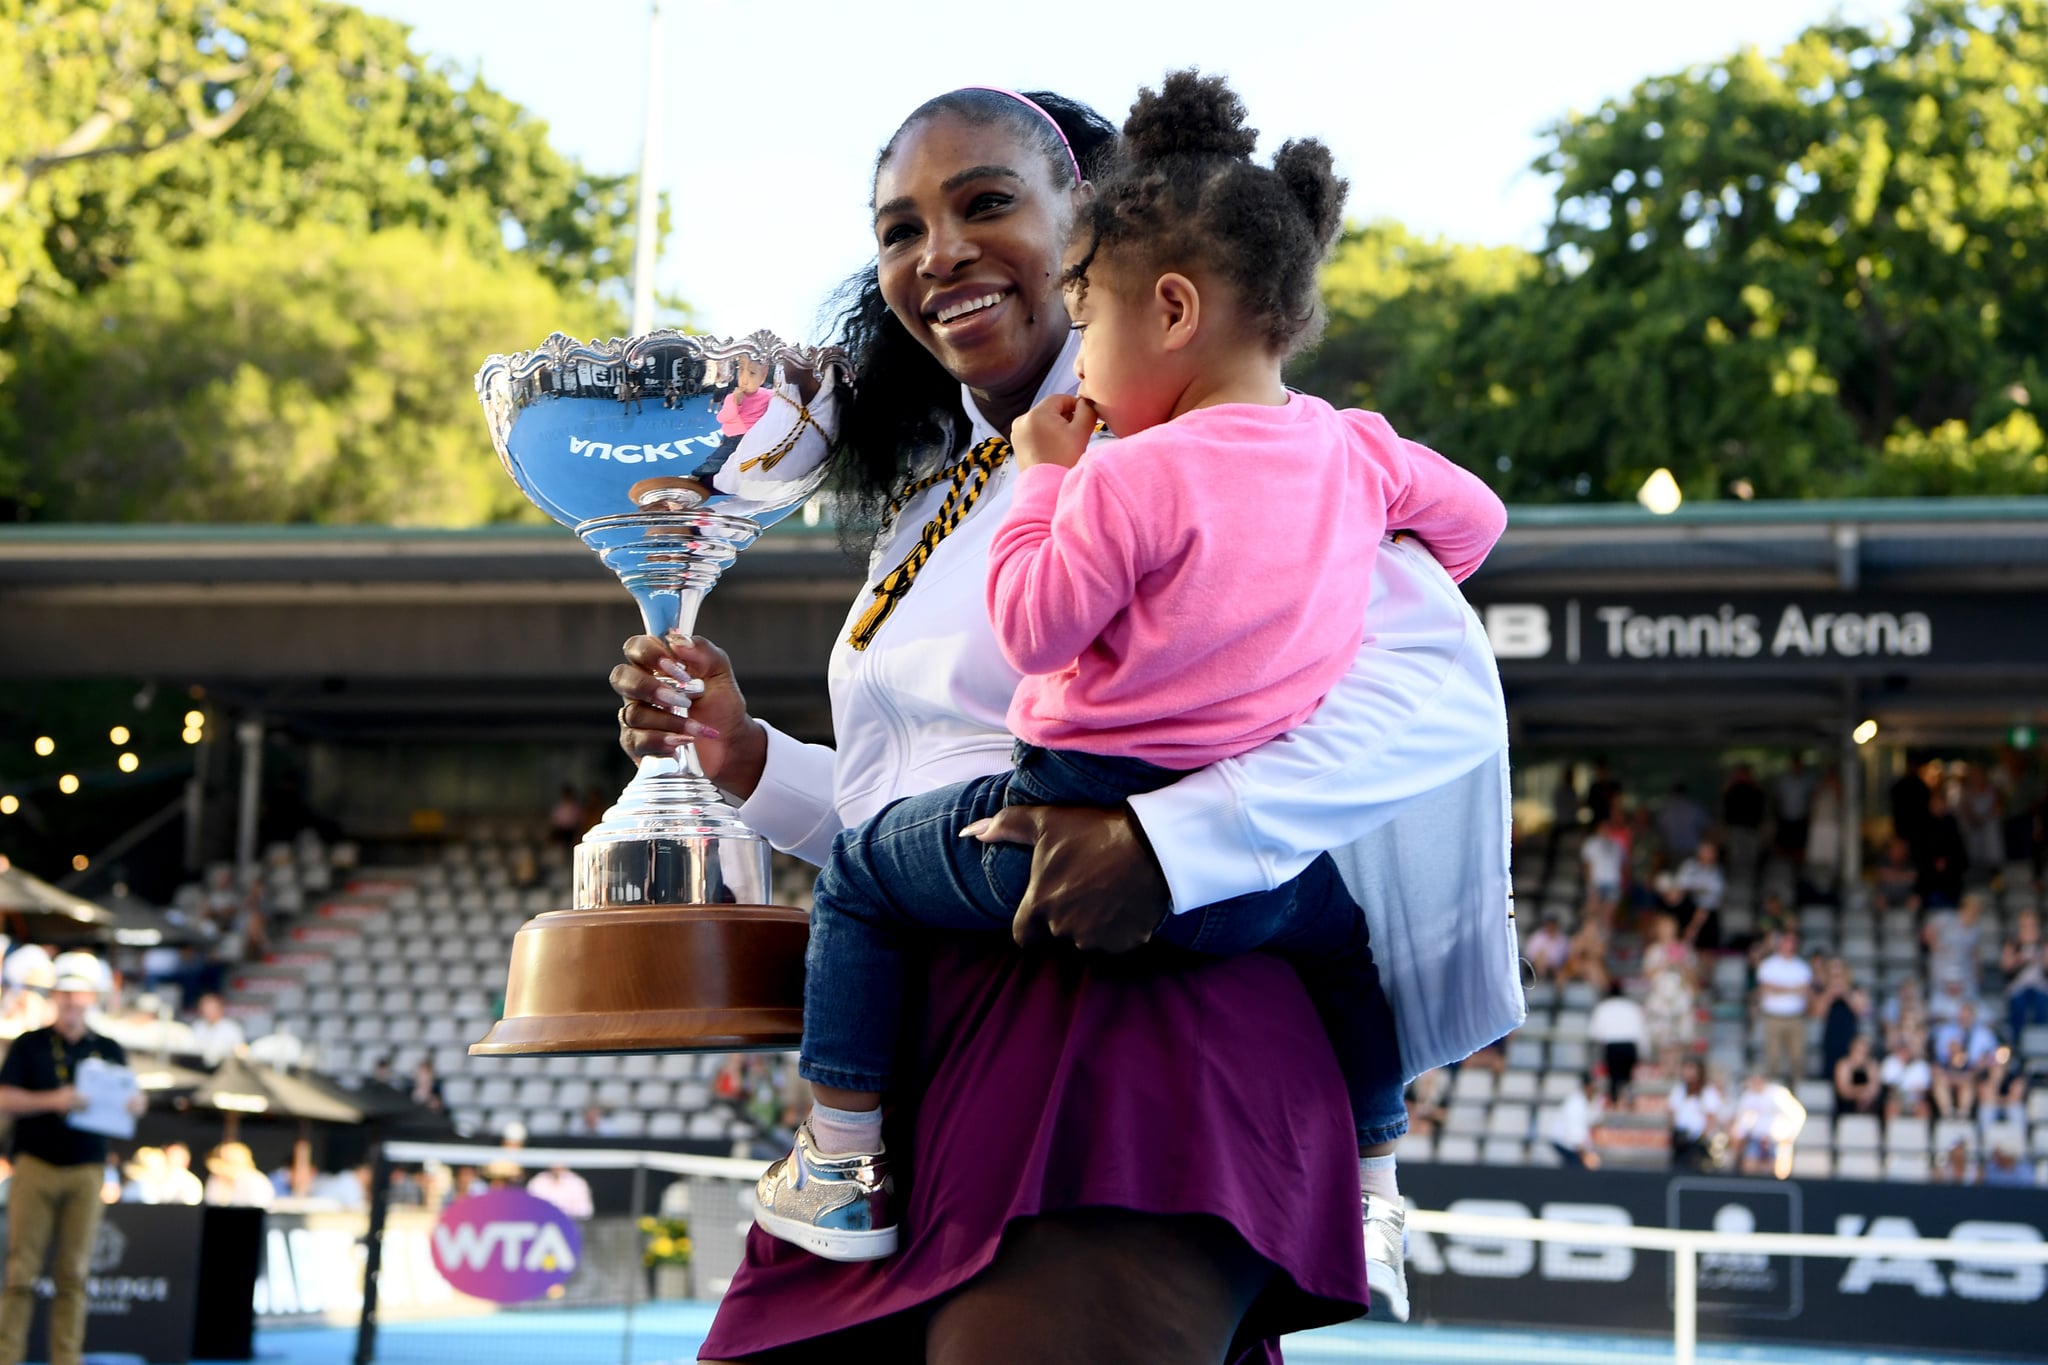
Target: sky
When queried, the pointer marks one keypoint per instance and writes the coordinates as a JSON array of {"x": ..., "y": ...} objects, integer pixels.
[{"x": 772, "y": 114}]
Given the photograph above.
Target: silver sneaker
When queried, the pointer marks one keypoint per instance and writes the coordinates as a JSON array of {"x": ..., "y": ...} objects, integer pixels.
[
  {"x": 1386, "y": 1245},
  {"x": 837, "y": 1207}
]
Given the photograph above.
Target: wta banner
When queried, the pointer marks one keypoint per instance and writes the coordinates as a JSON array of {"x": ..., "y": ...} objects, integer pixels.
[{"x": 1877, "y": 1301}]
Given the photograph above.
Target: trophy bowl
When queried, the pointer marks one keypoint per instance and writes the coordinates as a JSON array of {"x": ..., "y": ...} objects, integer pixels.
[{"x": 668, "y": 454}]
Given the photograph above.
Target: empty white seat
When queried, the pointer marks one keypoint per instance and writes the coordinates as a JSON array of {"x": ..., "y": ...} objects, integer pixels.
[
  {"x": 615, "y": 1093},
  {"x": 1525, "y": 1055},
  {"x": 1456, "y": 1149},
  {"x": 1500, "y": 1151},
  {"x": 629, "y": 1123},
  {"x": 548, "y": 1122},
  {"x": 1909, "y": 1134},
  {"x": 1570, "y": 1025},
  {"x": 1415, "y": 1147},
  {"x": 1810, "y": 1162},
  {"x": 639, "y": 1066},
  {"x": 535, "y": 1092},
  {"x": 1858, "y": 1165},
  {"x": 1517, "y": 1085},
  {"x": 665, "y": 1125},
  {"x": 1466, "y": 1119},
  {"x": 1508, "y": 1120},
  {"x": 502, "y": 1120},
  {"x": 692, "y": 1095},
  {"x": 1949, "y": 1132},
  {"x": 705, "y": 1125},
  {"x": 361, "y": 1000},
  {"x": 457, "y": 1092},
  {"x": 653, "y": 1094},
  {"x": 1558, "y": 1084},
  {"x": 1906, "y": 1168},
  {"x": 1818, "y": 1096},
  {"x": 1472, "y": 1085},
  {"x": 1858, "y": 1133},
  {"x": 573, "y": 1094},
  {"x": 1568, "y": 1056},
  {"x": 495, "y": 1092}
]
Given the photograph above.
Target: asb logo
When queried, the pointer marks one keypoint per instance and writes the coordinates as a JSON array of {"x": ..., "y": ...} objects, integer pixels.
[{"x": 506, "y": 1246}]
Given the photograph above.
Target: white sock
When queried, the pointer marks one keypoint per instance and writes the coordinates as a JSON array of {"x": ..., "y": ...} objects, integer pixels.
[
  {"x": 1376, "y": 1177},
  {"x": 846, "y": 1132}
]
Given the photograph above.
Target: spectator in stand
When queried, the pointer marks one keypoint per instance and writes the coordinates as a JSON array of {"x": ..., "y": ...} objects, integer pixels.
[
  {"x": 1547, "y": 949},
  {"x": 1957, "y": 1079},
  {"x": 1742, "y": 815},
  {"x": 1428, "y": 1094},
  {"x": 180, "y": 1185},
  {"x": 1910, "y": 797},
  {"x": 1907, "y": 1078},
  {"x": 1618, "y": 1028},
  {"x": 233, "y": 1178},
  {"x": 1604, "y": 856},
  {"x": 1951, "y": 995},
  {"x": 1701, "y": 880},
  {"x": 593, "y": 1122},
  {"x": 1569, "y": 1128},
  {"x": 381, "y": 1073},
  {"x": 2002, "y": 1093},
  {"x": 1943, "y": 860},
  {"x": 1954, "y": 1166},
  {"x": 1895, "y": 883},
  {"x": 1668, "y": 993},
  {"x": 565, "y": 818},
  {"x": 2024, "y": 960},
  {"x": 1587, "y": 960},
  {"x": 1955, "y": 941},
  {"x": 425, "y": 1090},
  {"x": 144, "y": 1174},
  {"x": 1682, "y": 821},
  {"x": 1822, "y": 858},
  {"x": 1784, "y": 998},
  {"x": 1767, "y": 1123},
  {"x": 1967, "y": 1031},
  {"x": 1843, "y": 1009},
  {"x": 216, "y": 1037},
  {"x": 1981, "y": 818},
  {"x": 1699, "y": 1110},
  {"x": 2008, "y": 1167},
  {"x": 1603, "y": 795},
  {"x": 563, "y": 1188},
  {"x": 1905, "y": 1010},
  {"x": 1645, "y": 857},
  {"x": 348, "y": 1191},
  {"x": 1859, "y": 1086},
  {"x": 1794, "y": 800}
]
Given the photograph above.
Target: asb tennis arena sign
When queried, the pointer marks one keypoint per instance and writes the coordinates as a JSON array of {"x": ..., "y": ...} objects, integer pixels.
[
  {"x": 1758, "y": 633},
  {"x": 1894, "y": 1303}
]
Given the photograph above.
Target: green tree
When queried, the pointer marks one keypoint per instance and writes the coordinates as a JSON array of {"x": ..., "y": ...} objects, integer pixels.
[
  {"x": 1818, "y": 273},
  {"x": 249, "y": 254},
  {"x": 313, "y": 375}
]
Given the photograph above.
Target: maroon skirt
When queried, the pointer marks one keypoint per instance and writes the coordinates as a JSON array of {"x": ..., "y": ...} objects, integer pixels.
[{"x": 1049, "y": 1081}]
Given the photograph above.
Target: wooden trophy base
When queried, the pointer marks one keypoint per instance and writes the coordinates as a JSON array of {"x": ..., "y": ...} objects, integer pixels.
[{"x": 654, "y": 978}]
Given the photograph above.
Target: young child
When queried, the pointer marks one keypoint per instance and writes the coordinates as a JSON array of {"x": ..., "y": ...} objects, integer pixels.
[
  {"x": 742, "y": 408},
  {"x": 1183, "y": 594}
]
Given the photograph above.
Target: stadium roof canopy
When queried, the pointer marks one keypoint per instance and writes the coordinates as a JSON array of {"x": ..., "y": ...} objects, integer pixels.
[{"x": 1614, "y": 626}]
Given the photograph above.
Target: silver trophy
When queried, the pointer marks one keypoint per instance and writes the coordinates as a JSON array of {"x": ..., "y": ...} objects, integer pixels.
[{"x": 668, "y": 454}]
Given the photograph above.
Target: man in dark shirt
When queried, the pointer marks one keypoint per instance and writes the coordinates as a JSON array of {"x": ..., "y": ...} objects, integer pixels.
[{"x": 58, "y": 1169}]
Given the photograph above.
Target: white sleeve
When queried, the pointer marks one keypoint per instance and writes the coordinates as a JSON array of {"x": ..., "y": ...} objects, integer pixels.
[
  {"x": 1420, "y": 707},
  {"x": 792, "y": 807}
]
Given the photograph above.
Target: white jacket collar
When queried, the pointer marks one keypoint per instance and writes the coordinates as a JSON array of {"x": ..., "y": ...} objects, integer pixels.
[{"x": 1059, "y": 379}]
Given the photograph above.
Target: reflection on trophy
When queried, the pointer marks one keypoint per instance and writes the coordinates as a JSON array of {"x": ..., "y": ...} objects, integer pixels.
[{"x": 668, "y": 454}]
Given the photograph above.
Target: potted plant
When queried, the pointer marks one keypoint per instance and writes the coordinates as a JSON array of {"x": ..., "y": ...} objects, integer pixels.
[{"x": 666, "y": 1252}]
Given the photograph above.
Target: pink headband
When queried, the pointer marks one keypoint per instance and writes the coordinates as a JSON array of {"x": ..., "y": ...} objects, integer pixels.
[{"x": 1035, "y": 107}]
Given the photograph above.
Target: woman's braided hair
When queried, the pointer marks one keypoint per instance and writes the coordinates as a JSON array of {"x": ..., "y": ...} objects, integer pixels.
[
  {"x": 1182, "y": 193},
  {"x": 903, "y": 402}
]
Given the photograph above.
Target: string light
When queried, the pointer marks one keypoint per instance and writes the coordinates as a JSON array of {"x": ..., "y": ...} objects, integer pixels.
[
  {"x": 195, "y": 720},
  {"x": 45, "y": 746},
  {"x": 9, "y": 804},
  {"x": 79, "y": 862},
  {"x": 128, "y": 763},
  {"x": 1865, "y": 732},
  {"x": 193, "y": 734},
  {"x": 67, "y": 783},
  {"x": 118, "y": 735}
]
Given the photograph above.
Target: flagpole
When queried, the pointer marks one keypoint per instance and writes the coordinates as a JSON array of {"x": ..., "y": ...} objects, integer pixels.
[{"x": 645, "y": 220}]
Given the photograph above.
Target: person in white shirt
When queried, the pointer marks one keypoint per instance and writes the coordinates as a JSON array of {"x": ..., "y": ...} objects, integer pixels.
[
  {"x": 232, "y": 1178},
  {"x": 1768, "y": 1120},
  {"x": 1569, "y": 1127},
  {"x": 1908, "y": 1079},
  {"x": 563, "y": 1188},
  {"x": 1698, "y": 1111},
  {"x": 1604, "y": 856},
  {"x": 1547, "y": 949},
  {"x": 1620, "y": 1029},
  {"x": 1784, "y": 998},
  {"x": 215, "y": 1036}
]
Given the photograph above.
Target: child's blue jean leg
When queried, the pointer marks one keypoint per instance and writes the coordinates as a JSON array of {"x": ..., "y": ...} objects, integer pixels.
[
  {"x": 911, "y": 855},
  {"x": 1314, "y": 923}
]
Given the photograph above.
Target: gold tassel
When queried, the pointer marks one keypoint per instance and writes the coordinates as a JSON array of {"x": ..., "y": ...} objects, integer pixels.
[{"x": 977, "y": 465}]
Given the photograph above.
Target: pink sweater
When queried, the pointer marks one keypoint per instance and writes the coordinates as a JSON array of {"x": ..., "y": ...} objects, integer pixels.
[
  {"x": 739, "y": 412},
  {"x": 1190, "y": 592}
]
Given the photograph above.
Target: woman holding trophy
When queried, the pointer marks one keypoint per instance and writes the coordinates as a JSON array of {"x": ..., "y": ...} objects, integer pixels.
[{"x": 1106, "y": 1157}]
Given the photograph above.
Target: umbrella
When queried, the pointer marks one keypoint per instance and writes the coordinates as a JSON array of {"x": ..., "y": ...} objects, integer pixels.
[
  {"x": 240, "y": 1086},
  {"x": 157, "y": 1077},
  {"x": 24, "y": 893},
  {"x": 134, "y": 923}
]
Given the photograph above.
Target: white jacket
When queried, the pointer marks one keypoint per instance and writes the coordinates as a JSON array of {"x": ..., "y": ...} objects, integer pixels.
[{"x": 1401, "y": 772}]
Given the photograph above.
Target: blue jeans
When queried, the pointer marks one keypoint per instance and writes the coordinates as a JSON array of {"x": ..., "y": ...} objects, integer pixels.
[{"x": 908, "y": 870}]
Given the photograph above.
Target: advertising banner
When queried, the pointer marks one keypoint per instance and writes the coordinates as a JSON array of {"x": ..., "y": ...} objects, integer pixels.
[{"x": 1883, "y": 1302}]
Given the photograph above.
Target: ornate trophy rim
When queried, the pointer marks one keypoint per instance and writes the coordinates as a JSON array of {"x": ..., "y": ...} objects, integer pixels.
[{"x": 560, "y": 348}]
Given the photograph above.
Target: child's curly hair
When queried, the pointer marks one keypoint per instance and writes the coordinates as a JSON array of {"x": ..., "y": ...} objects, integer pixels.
[{"x": 1182, "y": 192}]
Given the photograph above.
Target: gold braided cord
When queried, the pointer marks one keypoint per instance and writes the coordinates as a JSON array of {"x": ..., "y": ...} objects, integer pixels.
[
  {"x": 769, "y": 459},
  {"x": 968, "y": 476}
]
